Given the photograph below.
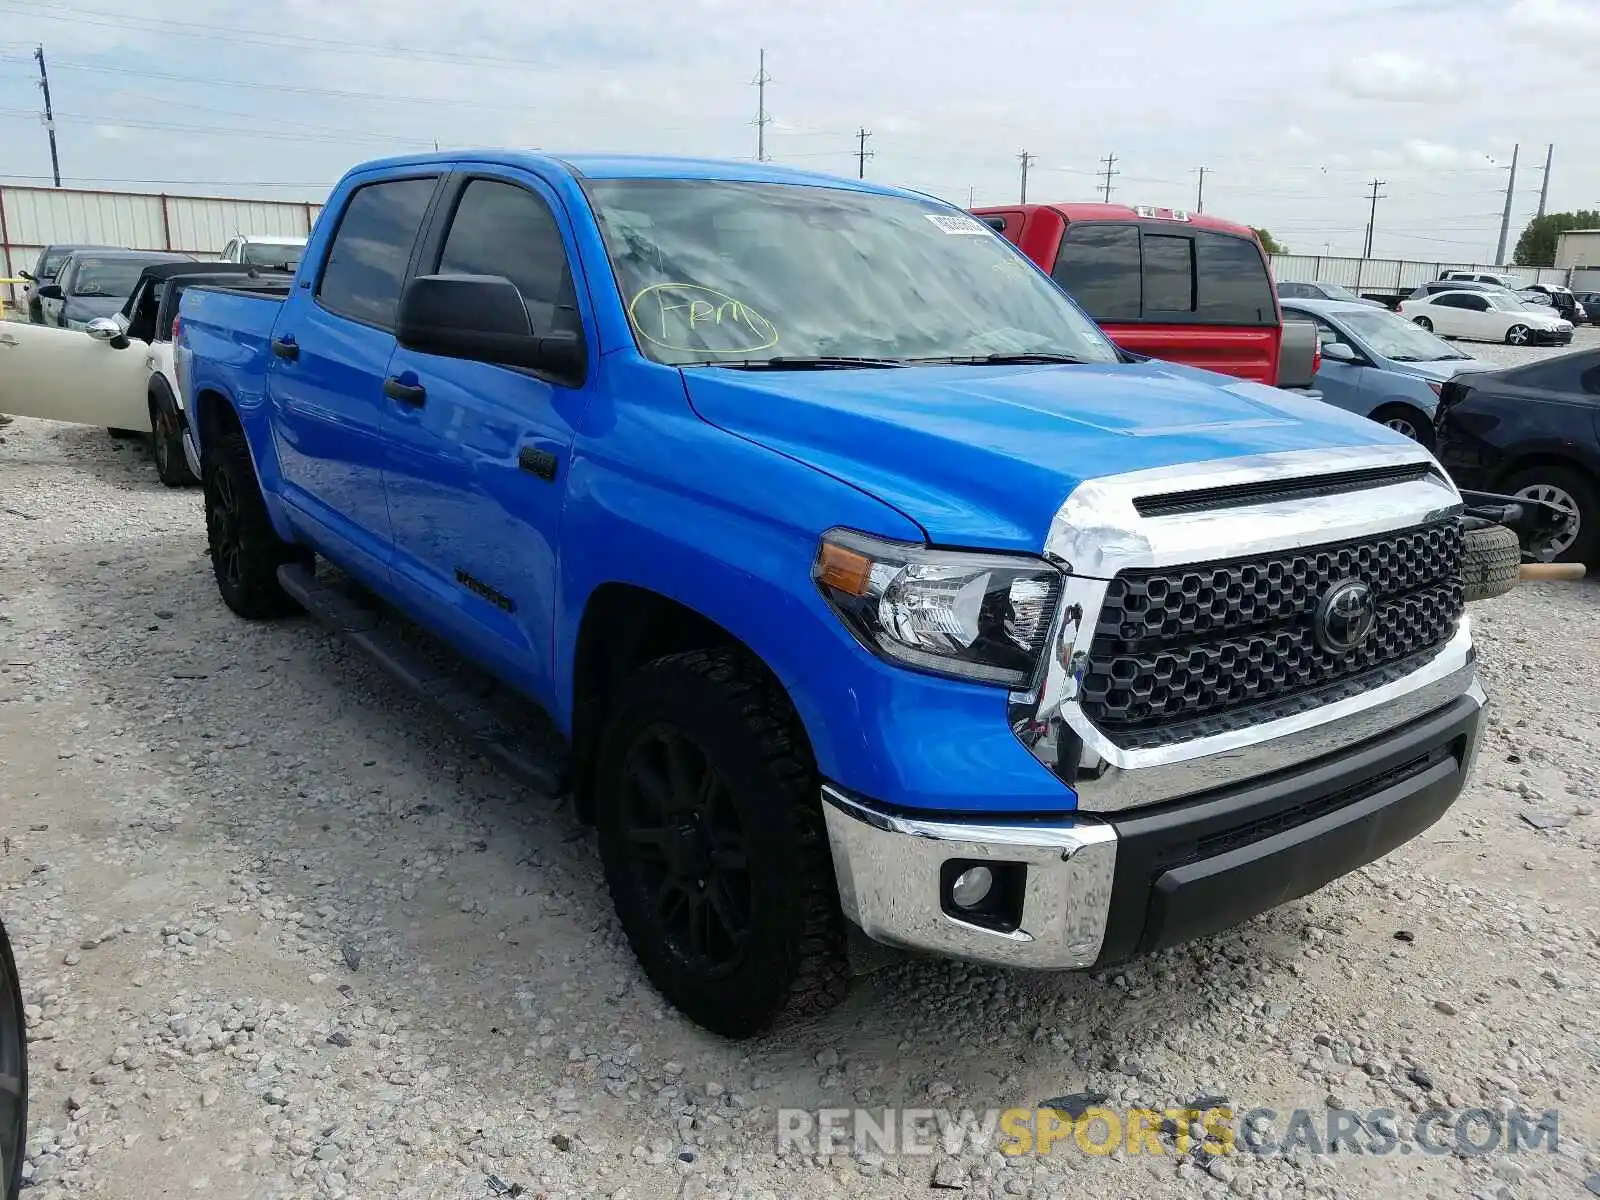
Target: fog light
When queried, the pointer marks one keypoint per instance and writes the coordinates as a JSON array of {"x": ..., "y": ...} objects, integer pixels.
[{"x": 971, "y": 887}]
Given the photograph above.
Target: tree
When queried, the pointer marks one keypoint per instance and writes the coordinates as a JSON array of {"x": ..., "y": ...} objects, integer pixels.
[
  {"x": 1537, "y": 245},
  {"x": 1269, "y": 243}
]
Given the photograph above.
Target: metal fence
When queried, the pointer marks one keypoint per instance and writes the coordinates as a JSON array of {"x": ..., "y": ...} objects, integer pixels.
[
  {"x": 34, "y": 217},
  {"x": 1393, "y": 275}
]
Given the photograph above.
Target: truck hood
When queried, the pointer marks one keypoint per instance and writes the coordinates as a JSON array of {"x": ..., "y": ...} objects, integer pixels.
[{"x": 983, "y": 456}]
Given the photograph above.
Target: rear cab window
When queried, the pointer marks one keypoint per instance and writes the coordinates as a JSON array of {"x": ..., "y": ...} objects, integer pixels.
[
  {"x": 1125, "y": 272},
  {"x": 371, "y": 249}
]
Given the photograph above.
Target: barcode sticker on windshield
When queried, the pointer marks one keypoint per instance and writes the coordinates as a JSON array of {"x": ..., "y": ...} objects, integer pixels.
[{"x": 957, "y": 225}]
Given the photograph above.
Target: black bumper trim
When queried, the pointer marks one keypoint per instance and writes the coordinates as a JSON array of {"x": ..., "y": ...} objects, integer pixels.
[{"x": 1202, "y": 865}]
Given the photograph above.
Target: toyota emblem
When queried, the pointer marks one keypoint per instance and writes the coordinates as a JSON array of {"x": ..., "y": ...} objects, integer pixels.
[{"x": 1345, "y": 617}]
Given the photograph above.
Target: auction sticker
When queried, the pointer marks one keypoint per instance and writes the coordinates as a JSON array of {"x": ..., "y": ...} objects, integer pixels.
[{"x": 957, "y": 226}]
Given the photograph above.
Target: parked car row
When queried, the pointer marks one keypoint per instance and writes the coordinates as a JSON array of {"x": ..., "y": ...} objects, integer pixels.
[{"x": 72, "y": 284}]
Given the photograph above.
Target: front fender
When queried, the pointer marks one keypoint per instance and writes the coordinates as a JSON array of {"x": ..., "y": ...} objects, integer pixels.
[{"x": 736, "y": 545}]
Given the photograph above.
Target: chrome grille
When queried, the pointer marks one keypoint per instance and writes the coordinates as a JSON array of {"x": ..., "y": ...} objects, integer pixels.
[{"x": 1188, "y": 651}]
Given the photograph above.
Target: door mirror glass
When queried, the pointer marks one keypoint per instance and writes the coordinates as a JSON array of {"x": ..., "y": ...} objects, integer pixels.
[
  {"x": 50, "y": 291},
  {"x": 1339, "y": 352},
  {"x": 483, "y": 318}
]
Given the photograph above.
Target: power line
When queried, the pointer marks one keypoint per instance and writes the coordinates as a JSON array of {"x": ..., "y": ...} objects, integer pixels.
[
  {"x": 1372, "y": 218},
  {"x": 862, "y": 153},
  {"x": 49, "y": 114},
  {"x": 1110, "y": 161},
  {"x": 762, "y": 119}
]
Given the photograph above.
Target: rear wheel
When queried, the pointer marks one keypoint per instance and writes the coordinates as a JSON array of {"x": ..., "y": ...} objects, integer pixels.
[
  {"x": 166, "y": 447},
  {"x": 1424, "y": 323},
  {"x": 711, "y": 833},
  {"x": 1573, "y": 491},
  {"x": 13, "y": 1074},
  {"x": 246, "y": 551},
  {"x": 1519, "y": 335}
]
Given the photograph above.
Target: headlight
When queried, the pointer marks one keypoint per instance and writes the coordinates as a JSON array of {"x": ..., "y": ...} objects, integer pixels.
[{"x": 975, "y": 616}]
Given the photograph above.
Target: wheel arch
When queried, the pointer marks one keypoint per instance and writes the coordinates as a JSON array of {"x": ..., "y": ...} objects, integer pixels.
[{"x": 624, "y": 626}]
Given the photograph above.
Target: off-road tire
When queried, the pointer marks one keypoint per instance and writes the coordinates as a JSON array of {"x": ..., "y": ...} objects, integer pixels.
[
  {"x": 13, "y": 1074},
  {"x": 166, "y": 448},
  {"x": 1585, "y": 494},
  {"x": 1422, "y": 323},
  {"x": 792, "y": 961},
  {"x": 1490, "y": 563},
  {"x": 246, "y": 551}
]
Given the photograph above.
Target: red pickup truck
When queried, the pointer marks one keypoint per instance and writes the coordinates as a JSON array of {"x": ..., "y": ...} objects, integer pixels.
[{"x": 1169, "y": 284}]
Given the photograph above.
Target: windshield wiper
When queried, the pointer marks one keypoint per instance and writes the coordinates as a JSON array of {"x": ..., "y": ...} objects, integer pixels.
[
  {"x": 1031, "y": 356},
  {"x": 820, "y": 362}
]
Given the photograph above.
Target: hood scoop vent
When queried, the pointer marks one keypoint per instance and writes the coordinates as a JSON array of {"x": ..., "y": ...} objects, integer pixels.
[{"x": 1269, "y": 491}]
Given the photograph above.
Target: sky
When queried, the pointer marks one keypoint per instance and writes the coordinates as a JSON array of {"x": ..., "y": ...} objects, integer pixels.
[{"x": 1293, "y": 109}]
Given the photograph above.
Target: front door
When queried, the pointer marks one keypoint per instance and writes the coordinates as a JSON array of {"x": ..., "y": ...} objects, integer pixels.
[
  {"x": 66, "y": 375},
  {"x": 329, "y": 356},
  {"x": 479, "y": 453}
]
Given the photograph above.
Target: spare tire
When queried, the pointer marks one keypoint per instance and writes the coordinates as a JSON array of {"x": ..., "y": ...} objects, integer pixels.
[
  {"x": 1491, "y": 561},
  {"x": 13, "y": 1075}
]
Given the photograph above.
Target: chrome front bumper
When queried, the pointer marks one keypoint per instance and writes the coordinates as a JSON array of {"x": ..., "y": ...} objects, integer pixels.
[{"x": 1100, "y": 889}]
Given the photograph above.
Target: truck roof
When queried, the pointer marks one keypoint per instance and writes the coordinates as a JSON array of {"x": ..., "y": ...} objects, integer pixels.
[
  {"x": 1094, "y": 211},
  {"x": 645, "y": 166}
]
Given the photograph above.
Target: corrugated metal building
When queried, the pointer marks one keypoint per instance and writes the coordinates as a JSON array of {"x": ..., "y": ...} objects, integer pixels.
[
  {"x": 34, "y": 217},
  {"x": 1578, "y": 248}
]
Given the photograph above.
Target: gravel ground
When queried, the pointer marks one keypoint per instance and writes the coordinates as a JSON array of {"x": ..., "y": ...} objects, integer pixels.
[{"x": 282, "y": 937}]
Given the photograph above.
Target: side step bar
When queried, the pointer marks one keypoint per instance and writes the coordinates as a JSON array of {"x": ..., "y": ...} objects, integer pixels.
[{"x": 541, "y": 768}]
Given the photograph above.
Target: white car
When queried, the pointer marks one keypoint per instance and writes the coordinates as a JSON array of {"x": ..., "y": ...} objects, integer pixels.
[
  {"x": 1488, "y": 317},
  {"x": 119, "y": 372},
  {"x": 264, "y": 251},
  {"x": 1478, "y": 277}
]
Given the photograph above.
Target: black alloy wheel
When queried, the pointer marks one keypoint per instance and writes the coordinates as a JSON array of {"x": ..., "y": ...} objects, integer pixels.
[
  {"x": 686, "y": 850},
  {"x": 13, "y": 1074}
]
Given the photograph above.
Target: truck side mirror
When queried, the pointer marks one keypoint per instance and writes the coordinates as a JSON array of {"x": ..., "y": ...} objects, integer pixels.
[
  {"x": 483, "y": 318},
  {"x": 28, "y": 275},
  {"x": 50, "y": 291},
  {"x": 1338, "y": 352}
]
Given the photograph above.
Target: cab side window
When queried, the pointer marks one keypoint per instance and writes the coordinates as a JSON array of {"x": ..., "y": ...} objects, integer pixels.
[{"x": 502, "y": 229}]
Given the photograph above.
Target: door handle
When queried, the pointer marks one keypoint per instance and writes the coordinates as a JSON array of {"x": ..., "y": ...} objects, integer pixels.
[
  {"x": 537, "y": 462},
  {"x": 286, "y": 347},
  {"x": 413, "y": 394}
]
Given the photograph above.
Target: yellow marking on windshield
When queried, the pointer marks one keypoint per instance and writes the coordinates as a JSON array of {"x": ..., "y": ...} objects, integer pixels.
[{"x": 673, "y": 314}]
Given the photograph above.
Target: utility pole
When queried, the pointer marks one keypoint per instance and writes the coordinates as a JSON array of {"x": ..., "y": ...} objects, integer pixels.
[
  {"x": 762, "y": 119},
  {"x": 1200, "y": 193},
  {"x": 49, "y": 115},
  {"x": 862, "y": 153},
  {"x": 972, "y": 193},
  {"x": 1025, "y": 158},
  {"x": 1110, "y": 161},
  {"x": 1544, "y": 181},
  {"x": 1372, "y": 218},
  {"x": 1505, "y": 213}
]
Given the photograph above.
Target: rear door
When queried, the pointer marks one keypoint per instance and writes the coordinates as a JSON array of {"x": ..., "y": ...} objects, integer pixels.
[
  {"x": 329, "y": 357},
  {"x": 479, "y": 457},
  {"x": 1166, "y": 289},
  {"x": 66, "y": 375}
]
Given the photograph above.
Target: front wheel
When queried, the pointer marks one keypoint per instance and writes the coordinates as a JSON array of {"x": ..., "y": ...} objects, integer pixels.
[
  {"x": 1403, "y": 419},
  {"x": 1519, "y": 335},
  {"x": 712, "y": 838},
  {"x": 1423, "y": 323},
  {"x": 1573, "y": 491},
  {"x": 13, "y": 1074}
]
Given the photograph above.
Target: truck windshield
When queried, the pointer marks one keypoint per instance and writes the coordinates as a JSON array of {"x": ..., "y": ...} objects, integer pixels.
[{"x": 740, "y": 273}]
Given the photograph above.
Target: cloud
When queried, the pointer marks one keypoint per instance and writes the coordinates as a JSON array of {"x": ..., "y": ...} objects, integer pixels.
[
  {"x": 1565, "y": 26},
  {"x": 1437, "y": 155},
  {"x": 1387, "y": 75}
]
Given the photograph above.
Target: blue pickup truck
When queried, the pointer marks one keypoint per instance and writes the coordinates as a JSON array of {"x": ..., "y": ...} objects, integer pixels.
[{"x": 859, "y": 588}]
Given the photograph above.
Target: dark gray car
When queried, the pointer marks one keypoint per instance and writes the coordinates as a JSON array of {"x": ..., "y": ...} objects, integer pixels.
[
  {"x": 96, "y": 283},
  {"x": 45, "y": 271}
]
